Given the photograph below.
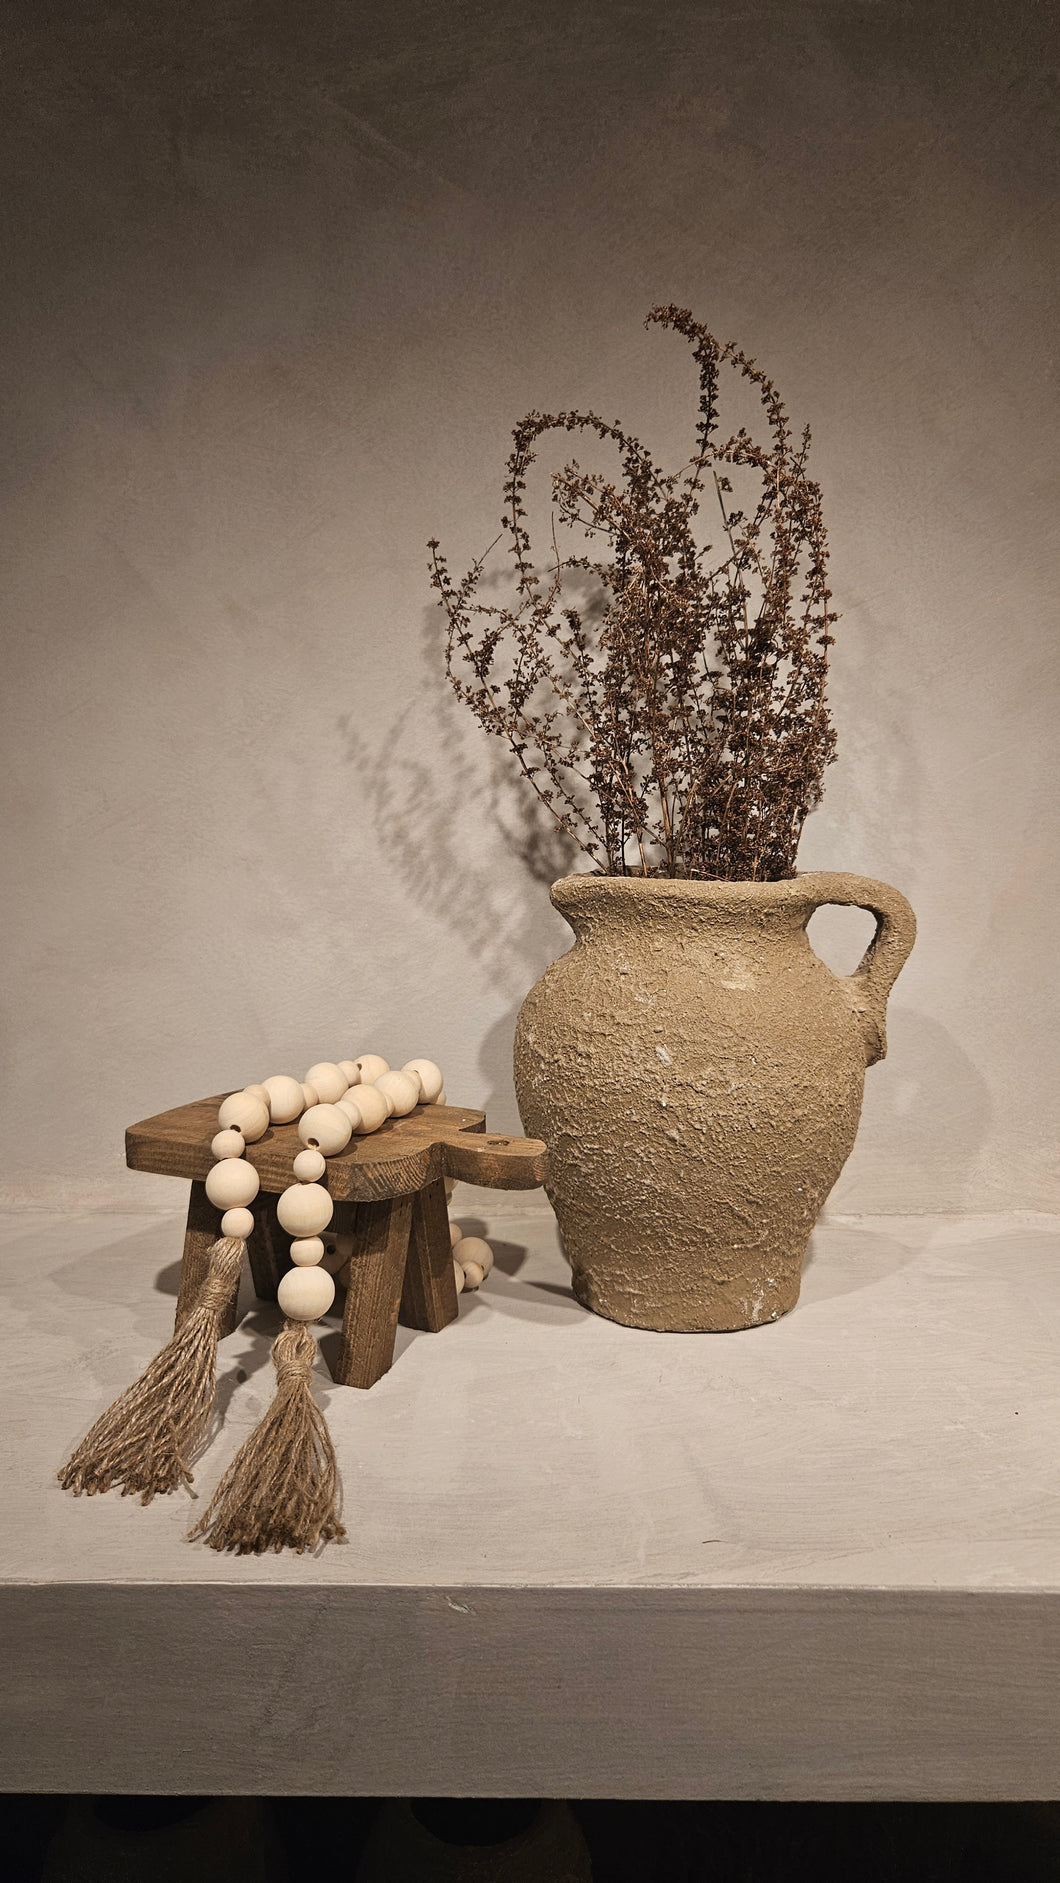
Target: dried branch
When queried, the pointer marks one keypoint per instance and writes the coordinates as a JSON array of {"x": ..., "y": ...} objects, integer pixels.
[{"x": 675, "y": 722}]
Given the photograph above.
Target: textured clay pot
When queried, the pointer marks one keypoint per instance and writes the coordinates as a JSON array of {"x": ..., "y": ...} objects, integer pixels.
[{"x": 697, "y": 1072}]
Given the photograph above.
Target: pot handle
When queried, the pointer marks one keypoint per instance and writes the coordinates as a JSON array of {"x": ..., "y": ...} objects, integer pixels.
[{"x": 885, "y": 956}]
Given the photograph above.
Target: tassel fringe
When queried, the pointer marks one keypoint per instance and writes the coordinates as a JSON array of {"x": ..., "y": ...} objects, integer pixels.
[
  {"x": 282, "y": 1488},
  {"x": 145, "y": 1439}
]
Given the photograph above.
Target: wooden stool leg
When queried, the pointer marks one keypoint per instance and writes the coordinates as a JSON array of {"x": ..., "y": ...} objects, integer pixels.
[
  {"x": 377, "y": 1274},
  {"x": 429, "y": 1299},
  {"x": 267, "y": 1247},
  {"x": 203, "y": 1230}
]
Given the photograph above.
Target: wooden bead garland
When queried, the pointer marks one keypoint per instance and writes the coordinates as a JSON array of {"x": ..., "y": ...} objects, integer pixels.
[
  {"x": 368, "y": 1110},
  {"x": 309, "y": 1166},
  {"x": 286, "y": 1098},
  {"x": 245, "y": 1113},
  {"x": 232, "y": 1184},
  {"x": 238, "y": 1224},
  {"x": 402, "y": 1089},
  {"x": 472, "y": 1259},
  {"x": 326, "y": 1128},
  {"x": 429, "y": 1076},
  {"x": 229, "y": 1143},
  {"x": 306, "y": 1293},
  {"x": 281, "y": 1489},
  {"x": 370, "y": 1066},
  {"x": 305, "y": 1250},
  {"x": 305, "y": 1209},
  {"x": 329, "y": 1082},
  {"x": 251, "y": 1507}
]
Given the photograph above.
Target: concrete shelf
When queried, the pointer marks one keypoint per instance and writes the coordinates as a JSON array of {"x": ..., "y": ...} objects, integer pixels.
[{"x": 819, "y": 1559}]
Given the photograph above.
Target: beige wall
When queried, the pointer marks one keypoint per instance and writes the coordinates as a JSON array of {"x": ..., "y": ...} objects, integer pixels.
[{"x": 274, "y": 298}]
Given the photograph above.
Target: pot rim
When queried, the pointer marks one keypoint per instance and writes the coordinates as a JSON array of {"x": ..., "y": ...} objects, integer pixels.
[{"x": 595, "y": 886}]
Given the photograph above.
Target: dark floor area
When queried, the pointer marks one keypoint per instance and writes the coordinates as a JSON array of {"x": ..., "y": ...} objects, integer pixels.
[{"x": 61, "y": 1840}]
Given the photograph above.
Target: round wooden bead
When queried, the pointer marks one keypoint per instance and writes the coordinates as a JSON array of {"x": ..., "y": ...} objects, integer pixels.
[
  {"x": 309, "y": 1166},
  {"x": 230, "y": 1143},
  {"x": 337, "y": 1251},
  {"x": 472, "y": 1274},
  {"x": 371, "y": 1107},
  {"x": 286, "y": 1098},
  {"x": 328, "y": 1080},
  {"x": 237, "y": 1223},
  {"x": 233, "y": 1183},
  {"x": 348, "y": 1104},
  {"x": 310, "y": 1094},
  {"x": 258, "y": 1092},
  {"x": 304, "y": 1294},
  {"x": 403, "y": 1088},
  {"x": 304, "y": 1210},
  {"x": 245, "y": 1113},
  {"x": 429, "y": 1076},
  {"x": 349, "y": 1071},
  {"x": 474, "y": 1249},
  {"x": 325, "y": 1128},
  {"x": 456, "y": 1234},
  {"x": 441, "y": 1099},
  {"x": 370, "y": 1067},
  {"x": 306, "y": 1251},
  {"x": 458, "y": 1276}
]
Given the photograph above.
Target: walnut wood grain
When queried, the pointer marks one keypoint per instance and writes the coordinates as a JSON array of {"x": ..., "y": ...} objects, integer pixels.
[
  {"x": 199, "y": 1237},
  {"x": 495, "y": 1163},
  {"x": 405, "y": 1154},
  {"x": 373, "y": 1297},
  {"x": 429, "y": 1299}
]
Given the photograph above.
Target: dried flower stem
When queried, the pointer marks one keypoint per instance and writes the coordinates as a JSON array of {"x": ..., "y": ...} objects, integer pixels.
[{"x": 681, "y": 714}]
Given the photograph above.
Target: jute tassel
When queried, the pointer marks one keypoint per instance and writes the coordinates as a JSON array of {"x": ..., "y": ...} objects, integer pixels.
[
  {"x": 144, "y": 1441},
  {"x": 281, "y": 1489}
]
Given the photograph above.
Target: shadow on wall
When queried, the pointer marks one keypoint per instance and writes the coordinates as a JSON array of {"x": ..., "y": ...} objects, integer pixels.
[
  {"x": 875, "y": 793},
  {"x": 469, "y": 842},
  {"x": 496, "y": 1057},
  {"x": 926, "y": 1116},
  {"x": 451, "y": 810}
]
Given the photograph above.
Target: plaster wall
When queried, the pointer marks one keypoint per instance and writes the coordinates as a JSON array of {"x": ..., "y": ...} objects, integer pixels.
[{"x": 277, "y": 283}]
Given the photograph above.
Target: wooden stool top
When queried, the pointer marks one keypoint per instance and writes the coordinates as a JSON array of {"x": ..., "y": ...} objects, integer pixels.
[{"x": 404, "y": 1155}]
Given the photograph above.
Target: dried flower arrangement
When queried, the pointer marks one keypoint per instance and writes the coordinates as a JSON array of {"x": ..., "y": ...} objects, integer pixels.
[{"x": 675, "y": 722}]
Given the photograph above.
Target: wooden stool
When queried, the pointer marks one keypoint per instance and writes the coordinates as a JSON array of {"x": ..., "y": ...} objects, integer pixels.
[{"x": 388, "y": 1188}]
